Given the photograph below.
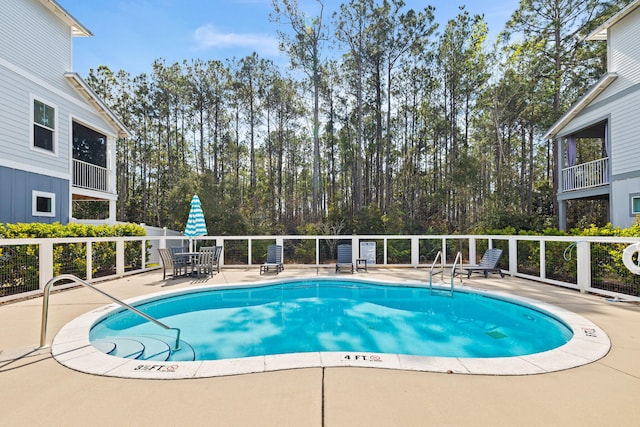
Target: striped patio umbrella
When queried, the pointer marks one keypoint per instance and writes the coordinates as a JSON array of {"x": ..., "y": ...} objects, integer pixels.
[{"x": 195, "y": 223}]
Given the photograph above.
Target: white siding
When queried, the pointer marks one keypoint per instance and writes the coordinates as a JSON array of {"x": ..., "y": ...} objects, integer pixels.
[
  {"x": 35, "y": 40},
  {"x": 16, "y": 92},
  {"x": 621, "y": 192},
  {"x": 625, "y": 59},
  {"x": 625, "y": 50},
  {"x": 620, "y": 102},
  {"x": 625, "y": 145}
]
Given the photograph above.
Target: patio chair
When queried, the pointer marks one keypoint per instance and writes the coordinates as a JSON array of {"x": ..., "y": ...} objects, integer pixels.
[
  {"x": 274, "y": 260},
  {"x": 180, "y": 261},
  {"x": 168, "y": 264},
  {"x": 204, "y": 263},
  {"x": 345, "y": 258},
  {"x": 488, "y": 264},
  {"x": 216, "y": 258}
]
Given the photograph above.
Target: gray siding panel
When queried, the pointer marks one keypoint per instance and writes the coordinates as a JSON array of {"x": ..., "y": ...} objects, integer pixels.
[
  {"x": 625, "y": 55},
  {"x": 15, "y": 121},
  {"x": 17, "y": 187},
  {"x": 32, "y": 38}
]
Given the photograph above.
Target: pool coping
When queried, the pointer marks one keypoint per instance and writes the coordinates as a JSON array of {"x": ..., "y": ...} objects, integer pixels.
[{"x": 71, "y": 348}]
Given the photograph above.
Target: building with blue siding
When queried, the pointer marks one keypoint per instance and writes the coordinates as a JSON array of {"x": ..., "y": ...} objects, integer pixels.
[{"x": 57, "y": 137}]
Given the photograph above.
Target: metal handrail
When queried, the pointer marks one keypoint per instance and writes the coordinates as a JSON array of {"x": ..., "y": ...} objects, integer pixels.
[
  {"x": 45, "y": 308},
  {"x": 453, "y": 269},
  {"x": 433, "y": 264}
]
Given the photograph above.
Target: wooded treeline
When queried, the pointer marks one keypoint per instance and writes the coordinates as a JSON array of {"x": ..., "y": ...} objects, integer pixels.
[{"x": 385, "y": 123}]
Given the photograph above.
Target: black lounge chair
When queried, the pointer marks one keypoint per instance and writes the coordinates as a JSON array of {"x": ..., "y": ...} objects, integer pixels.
[
  {"x": 345, "y": 258},
  {"x": 488, "y": 264},
  {"x": 274, "y": 260}
]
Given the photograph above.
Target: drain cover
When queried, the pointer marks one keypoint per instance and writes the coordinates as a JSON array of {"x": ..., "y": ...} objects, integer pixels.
[{"x": 496, "y": 334}]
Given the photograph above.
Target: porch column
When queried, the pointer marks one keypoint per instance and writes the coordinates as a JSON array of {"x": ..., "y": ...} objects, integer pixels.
[
  {"x": 562, "y": 215},
  {"x": 111, "y": 219}
]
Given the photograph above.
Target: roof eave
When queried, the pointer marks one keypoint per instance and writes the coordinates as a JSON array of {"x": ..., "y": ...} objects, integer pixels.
[
  {"x": 580, "y": 105},
  {"x": 85, "y": 90},
  {"x": 77, "y": 29},
  {"x": 600, "y": 33}
]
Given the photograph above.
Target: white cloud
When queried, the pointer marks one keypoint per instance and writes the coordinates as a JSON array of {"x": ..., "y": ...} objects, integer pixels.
[{"x": 207, "y": 37}]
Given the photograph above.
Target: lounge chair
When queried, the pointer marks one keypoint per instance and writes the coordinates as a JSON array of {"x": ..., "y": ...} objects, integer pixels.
[
  {"x": 168, "y": 264},
  {"x": 274, "y": 260},
  {"x": 205, "y": 262},
  {"x": 345, "y": 258},
  {"x": 488, "y": 264}
]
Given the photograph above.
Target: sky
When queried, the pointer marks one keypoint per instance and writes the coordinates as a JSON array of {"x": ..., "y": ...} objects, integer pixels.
[{"x": 131, "y": 34}]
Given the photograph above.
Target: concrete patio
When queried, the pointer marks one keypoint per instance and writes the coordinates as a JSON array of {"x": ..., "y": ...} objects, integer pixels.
[{"x": 38, "y": 391}]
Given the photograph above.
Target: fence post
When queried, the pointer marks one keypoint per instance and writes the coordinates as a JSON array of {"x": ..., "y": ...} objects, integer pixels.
[
  {"x": 220, "y": 242},
  {"x": 143, "y": 254},
  {"x": 473, "y": 259},
  {"x": 513, "y": 256},
  {"x": 120, "y": 257},
  {"x": 583, "y": 262},
  {"x": 355, "y": 248},
  {"x": 280, "y": 242},
  {"x": 443, "y": 248},
  {"x": 415, "y": 251},
  {"x": 45, "y": 254},
  {"x": 385, "y": 243},
  {"x": 543, "y": 259},
  {"x": 89, "y": 262}
]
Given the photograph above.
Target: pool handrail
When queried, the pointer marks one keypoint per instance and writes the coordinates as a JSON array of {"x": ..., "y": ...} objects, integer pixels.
[
  {"x": 45, "y": 308},
  {"x": 453, "y": 269},
  {"x": 456, "y": 263},
  {"x": 441, "y": 271}
]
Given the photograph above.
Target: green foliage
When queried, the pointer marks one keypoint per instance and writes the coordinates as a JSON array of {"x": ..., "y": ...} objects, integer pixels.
[
  {"x": 421, "y": 131},
  {"x": 20, "y": 263}
]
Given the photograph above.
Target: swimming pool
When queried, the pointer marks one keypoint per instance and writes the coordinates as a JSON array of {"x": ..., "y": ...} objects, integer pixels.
[{"x": 307, "y": 323}]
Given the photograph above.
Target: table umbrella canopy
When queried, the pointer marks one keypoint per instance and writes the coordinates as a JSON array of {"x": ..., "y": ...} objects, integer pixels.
[{"x": 195, "y": 223}]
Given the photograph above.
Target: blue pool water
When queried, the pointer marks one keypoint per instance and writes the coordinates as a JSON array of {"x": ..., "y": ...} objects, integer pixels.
[{"x": 333, "y": 315}]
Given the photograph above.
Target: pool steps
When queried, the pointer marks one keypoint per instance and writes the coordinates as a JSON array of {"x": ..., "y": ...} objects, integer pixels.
[{"x": 158, "y": 348}]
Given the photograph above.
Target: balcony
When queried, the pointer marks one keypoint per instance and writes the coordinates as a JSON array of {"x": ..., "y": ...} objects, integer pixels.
[
  {"x": 585, "y": 175},
  {"x": 90, "y": 176}
]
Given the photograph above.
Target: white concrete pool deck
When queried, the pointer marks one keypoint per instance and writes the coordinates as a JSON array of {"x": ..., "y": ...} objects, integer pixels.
[{"x": 38, "y": 390}]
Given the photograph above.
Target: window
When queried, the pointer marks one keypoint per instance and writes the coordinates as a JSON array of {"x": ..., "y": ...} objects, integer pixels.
[
  {"x": 43, "y": 204},
  {"x": 635, "y": 205},
  {"x": 44, "y": 125},
  {"x": 89, "y": 146}
]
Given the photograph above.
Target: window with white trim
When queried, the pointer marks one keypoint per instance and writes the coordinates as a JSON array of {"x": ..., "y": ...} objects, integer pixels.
[
  {"x": 43, "y": 203},
  {"x": 635, "y": 205},
  {"x": 44, "y": 126}
]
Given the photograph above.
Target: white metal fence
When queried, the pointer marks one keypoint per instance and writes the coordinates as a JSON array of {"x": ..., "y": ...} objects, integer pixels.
[{"x": 588, "y": 264}]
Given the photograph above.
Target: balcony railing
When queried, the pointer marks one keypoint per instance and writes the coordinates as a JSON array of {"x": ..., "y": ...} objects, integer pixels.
[
  {"x": 586, "y": 175},
  {"x": 90, "y": 176}
]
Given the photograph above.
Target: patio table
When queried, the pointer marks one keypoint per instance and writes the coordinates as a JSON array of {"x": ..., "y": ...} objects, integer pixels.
[{"x": 192, "y": 257}]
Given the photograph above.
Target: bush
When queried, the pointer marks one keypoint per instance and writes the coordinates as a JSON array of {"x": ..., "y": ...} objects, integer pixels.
[{"x": 19, "y": 269}]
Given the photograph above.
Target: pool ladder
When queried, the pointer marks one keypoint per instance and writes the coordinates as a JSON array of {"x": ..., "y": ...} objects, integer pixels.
[
  {"x": 456, "y": 265},
  {"x": 45, "y": 308}
]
